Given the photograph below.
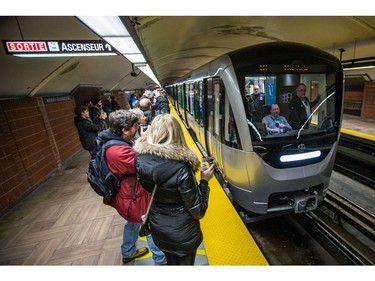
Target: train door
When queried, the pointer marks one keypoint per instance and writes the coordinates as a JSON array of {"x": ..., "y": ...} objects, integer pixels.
[
  {"x": 174, "y": 92},
  {"x": 185, "y": 99},
  {"x": 180, "y": 99},
  {"x": 214, "y": 111},
  {"x": 201, "y": 114}
]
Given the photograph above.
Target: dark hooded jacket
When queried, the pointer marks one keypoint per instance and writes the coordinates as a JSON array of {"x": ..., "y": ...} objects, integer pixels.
[
  {"x": 179, "y": 201},
  {"x": 161, "y": 105},
  {"x": 88, "y": 131}
]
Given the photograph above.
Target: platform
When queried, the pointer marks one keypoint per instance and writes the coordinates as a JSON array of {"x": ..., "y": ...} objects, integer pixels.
[
  {"x": 364, "y": 127},
  {"x": 64, "y": 222},
  {"x": 226, "y": 239}
]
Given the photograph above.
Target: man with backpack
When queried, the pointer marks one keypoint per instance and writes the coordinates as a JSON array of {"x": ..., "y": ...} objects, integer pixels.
[{"x": 131, "y": 195}]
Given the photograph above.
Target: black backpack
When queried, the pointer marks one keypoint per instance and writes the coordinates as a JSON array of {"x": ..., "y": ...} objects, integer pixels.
[{"x": 101, "y": 179}]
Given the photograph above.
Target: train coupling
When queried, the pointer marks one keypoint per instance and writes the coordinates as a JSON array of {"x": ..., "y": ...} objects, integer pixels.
[{"x": 305, "y": 203}]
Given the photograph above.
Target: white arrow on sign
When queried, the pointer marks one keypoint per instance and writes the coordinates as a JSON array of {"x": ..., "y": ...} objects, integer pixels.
[{"x": 108, "y": 47}]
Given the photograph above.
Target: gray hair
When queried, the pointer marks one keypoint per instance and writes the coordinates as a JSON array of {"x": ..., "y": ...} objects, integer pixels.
[
  {"x": 122, "y": 119},
  {"x": 137, "y": 111}
]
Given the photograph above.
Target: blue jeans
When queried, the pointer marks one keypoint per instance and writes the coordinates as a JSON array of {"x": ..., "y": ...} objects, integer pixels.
[{"x": 129, "y": 239}]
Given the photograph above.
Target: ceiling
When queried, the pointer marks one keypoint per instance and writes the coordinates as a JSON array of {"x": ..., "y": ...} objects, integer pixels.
[{"x": 173, "y": 45}]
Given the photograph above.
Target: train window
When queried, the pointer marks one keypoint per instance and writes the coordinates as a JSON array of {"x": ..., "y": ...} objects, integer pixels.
[
  {"x": 220, "y": 120},
  {"x": 196, "y": 102},
  {"x": 230, "y": 129},
  {"x": 191, "y": 98},
  {"x": 180, "y": 95},
  {"x": 187, "y": 97},
  {"x": 201, "y": 108},
  {"x": 217, "y": 109},
  {"x": 290, "y": 104}
]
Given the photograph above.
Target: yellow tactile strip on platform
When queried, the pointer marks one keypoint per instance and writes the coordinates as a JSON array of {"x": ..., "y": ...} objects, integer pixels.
[{"x": 226, "y": 239}]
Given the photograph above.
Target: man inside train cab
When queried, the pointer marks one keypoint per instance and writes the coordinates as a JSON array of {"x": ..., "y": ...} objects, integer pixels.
[
  {"x": 275, "y": 123},
  {"x": 300, "y": 108},
  {"x": 256, "y": 103}
]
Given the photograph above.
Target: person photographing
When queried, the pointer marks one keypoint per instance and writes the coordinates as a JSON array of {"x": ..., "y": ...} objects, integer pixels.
[{"x": 163, "y": 158}]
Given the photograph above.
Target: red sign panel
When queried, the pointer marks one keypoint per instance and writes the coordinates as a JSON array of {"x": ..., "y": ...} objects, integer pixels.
[{"x": 26, "y": 46}]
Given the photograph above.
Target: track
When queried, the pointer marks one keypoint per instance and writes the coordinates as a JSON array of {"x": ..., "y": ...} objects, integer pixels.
[{"x": 356, "y": 159}]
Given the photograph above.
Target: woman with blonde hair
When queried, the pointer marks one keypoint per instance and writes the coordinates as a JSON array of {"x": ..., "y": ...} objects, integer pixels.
[{"x": 163, "y": 158}]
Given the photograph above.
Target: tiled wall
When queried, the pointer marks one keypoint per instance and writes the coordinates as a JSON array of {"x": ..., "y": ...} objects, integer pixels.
[
  {"x": 361, "y": 103},
  {"x": 35, "y": 139},
  {"x": 368, "y": 103}
]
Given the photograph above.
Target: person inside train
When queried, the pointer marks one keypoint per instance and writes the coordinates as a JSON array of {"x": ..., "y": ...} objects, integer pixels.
[
  {"x": 120, "y": 160},
  {"x": 300, "y": 108},
  {"x": 275, "y": 123},
  {"x": 164, "y": 158},
  {"x": 87, "y": 130},
  {"x": 256, "y": 102}
]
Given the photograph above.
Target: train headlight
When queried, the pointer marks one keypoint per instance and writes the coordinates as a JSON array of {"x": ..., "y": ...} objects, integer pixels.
[{"x": 300, "y": 156}]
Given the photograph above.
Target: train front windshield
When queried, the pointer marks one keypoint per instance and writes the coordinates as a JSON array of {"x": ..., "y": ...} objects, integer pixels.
[
  {"x": 293, "y": 112},
  {"x": 294, "y": 105}
]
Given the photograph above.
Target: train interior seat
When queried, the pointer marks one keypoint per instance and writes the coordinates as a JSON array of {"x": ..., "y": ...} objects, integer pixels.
[{"x": 261, "y": 127}]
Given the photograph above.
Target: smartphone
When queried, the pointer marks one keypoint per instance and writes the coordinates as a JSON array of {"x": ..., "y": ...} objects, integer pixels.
[
  {"x": 208, "y": 160},
  {"x": 144, "y": 128}
]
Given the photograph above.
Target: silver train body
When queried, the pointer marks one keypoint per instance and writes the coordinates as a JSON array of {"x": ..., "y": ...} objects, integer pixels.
[{"x": 265, "y": 173}]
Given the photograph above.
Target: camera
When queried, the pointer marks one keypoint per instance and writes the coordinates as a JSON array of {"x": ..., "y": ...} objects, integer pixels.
[{"x": 143, "y": 127}]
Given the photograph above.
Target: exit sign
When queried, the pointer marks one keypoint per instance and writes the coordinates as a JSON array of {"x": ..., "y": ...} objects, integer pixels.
[{"x": 33, "y": 48}]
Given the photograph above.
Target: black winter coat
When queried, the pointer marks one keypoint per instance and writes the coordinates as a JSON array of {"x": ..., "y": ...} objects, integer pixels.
[
  {"x": 161, "y": 105},
  {"x": 87, "y": 131},
  {"x": 179, "y": 201}
]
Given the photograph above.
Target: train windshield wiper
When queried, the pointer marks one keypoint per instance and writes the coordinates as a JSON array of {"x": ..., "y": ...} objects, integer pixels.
[
  {"x": 312, "y": 113},
  {"x": 255, "y": 129}
]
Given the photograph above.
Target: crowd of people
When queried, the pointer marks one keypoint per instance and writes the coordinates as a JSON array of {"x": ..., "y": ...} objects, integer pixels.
[
  {"x": 156, "y": 154},
  {"x": 158, "y": 159}
]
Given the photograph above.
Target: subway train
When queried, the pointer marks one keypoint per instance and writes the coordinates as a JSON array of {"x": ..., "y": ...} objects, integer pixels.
[{"x": 264, "y": 173}]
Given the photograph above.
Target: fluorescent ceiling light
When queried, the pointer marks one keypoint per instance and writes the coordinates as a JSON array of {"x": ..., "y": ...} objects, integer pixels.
[
  {"x": 147, "y": 70},
  {"x": 106, "y": 26},
  {"x": 112, "y": 30},
  {"x": 135, "y": 58},
  {"x": 125, "y": 45},
  {"x": 299, "y": 157},
  {"x": 363, "y": 63},
  {"x": 359, "y": 67}
]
